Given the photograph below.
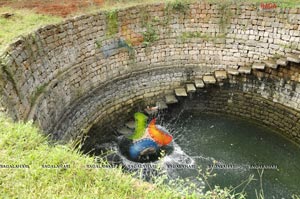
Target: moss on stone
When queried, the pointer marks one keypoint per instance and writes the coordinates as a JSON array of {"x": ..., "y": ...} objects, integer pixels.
[{"x": 112, "y": 22}]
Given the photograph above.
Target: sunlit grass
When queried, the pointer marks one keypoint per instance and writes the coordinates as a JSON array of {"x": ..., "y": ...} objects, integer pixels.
[
  {"x": 22, "y": 22},
  {"x": 22, "y": 143}
]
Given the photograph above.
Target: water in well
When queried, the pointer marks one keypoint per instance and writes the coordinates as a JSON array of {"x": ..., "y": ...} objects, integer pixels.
[{"x": 236, "y": 149}]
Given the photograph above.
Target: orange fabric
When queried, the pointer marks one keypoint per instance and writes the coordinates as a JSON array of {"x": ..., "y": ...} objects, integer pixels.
[{"x": 158, "y": 135}]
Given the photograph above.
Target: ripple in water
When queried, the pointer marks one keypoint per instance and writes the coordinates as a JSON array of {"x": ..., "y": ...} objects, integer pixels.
[{"x": 237, "y": 144}]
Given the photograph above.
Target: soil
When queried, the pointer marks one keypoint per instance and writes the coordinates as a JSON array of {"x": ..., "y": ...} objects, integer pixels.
[{"x": 53, "y": 7}]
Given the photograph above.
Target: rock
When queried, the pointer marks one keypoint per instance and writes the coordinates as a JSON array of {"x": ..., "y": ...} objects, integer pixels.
[
  {"x": 130, "y": 125},
  {"x": 281, "y": 62},
  {"x": 245, "y": 70},
  {"x": 151, "y": 111},
  {"x": 181, "y": 92},
  {"x": 209, "y": 79},
  {"x": 161, "y": 105},
  {"x": 190, "y": 88},
  {"x": 233, "y": 71},
  {"x": 221, "y": 74},
  {"x": 124, "y": 131},
  {"x": 199, "y": 83},
  {"x": 171, "y": 99},
  {"x": 258, "y": 66},
  {"x": 7, "y": 15},
  {"x": 293, "y": 58},
  {"x": 271, "y": 64}
]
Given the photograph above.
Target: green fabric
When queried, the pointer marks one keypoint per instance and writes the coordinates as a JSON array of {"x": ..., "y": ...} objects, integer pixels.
[{"x": 140, "y": 126}]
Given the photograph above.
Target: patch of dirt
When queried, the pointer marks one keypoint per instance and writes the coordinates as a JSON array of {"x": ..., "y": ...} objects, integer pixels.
[{"x": 54, "y": 7}]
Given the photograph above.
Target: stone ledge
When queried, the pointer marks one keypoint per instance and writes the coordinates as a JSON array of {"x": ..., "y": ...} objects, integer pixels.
[
  {"x": 258, "y": 66},
  {"x": 293, "y": 58},
  {"x": 171, "y": 99},
  {"x": 271, "y": 64},
  {"x": 130, "y": 124},
  {"x": 161, "y": 105},
  {"x": 245, "y": 70},
  {"x": 281, "y": 62},
  {"x": 180, "y": 92},
  {"x": 221, "y": 74},
  {"x": 190, "y": 88},
  {"x": 125, "y": 131},
  {"x": 199, "y": 83},
  {"x": 233, "y": 71},
  {"x": 209, "y": 79}
]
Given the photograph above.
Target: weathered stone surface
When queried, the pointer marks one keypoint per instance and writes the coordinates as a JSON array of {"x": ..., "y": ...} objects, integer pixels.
[
  {"x": 199, "y": 83},
  {"x": 282, "y": 62},
  {"x": 190, "y": 88},
  {"x": 245, "y": 70},
  {"x": 209, "y": 79},
  {"x": 128, "y": 75},
  {"x": 161, "y": 105},
  {"x": 258, "y": 66},
  {"x": 151, "y": 111},
  {"x": 221, "y": 74},
  {"x": 125, "y": 131},
  {"x": 171, "y": 99},
  {"x": 130, "y": 124},
  {"x": 271, "y": 64},
  {"x": 233, "y": 71},
  {"x": 180, "y": 92},
  {"x": 293, "y": 58}
]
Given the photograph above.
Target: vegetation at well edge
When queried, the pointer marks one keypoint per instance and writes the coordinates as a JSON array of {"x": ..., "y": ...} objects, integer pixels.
[
  {"x": 23, "y": 144},
  {"x": 22, "y": 22}
]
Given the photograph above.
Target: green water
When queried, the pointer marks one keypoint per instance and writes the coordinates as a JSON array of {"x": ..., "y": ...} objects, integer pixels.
[{"x": 240, "y": 143}]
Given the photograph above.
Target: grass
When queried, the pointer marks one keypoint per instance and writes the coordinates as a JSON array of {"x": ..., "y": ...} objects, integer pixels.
[
  {"x": 22, "y": 143},
  {"x": 23, "y": 21}
]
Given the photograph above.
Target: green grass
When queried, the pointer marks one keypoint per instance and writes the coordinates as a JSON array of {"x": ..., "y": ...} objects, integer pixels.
[
  {"x": 22, "y": 143},
  {"x": 23, "y": 21}
]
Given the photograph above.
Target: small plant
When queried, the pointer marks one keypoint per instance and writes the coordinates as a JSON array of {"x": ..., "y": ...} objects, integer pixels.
[
  {"x": 112, "y": 22},
  {"x": 226, "y": 15},
  {"x": 98, "y": 43},
  {"x": 41, "y": 89},
  {"x": 295, "y": 196},
  {"x": 9, "y": 76},
  {"x": 179, "y": 6},
  {"x": 149, "y": 35}
]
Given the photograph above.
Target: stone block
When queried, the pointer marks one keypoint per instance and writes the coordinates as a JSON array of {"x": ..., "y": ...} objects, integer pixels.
[
  {"x": 130, "y": 124},
  {"x": 151, "y": 111},
  {"x": 221, "y": 74},
  {"x": 171, "y": 99},
  {"x": 293, "y": 58},
  {"x": 125, "y": 131},
  {"x": 271, "y": 64},
  {"x": 258, "y": 66},
  {"x": 199, "y": 83},
  {"x": 190, "y": 88},
  {"x": 245, "y": 70},
  {"x": 161, "y": 105},
  {"x": 181, "y": 92},
  {"x": 233, "y": 71},
  {"x": 281, "y": 62},
  {"x": 209, "y": 79}
]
